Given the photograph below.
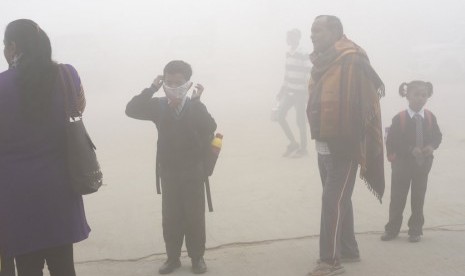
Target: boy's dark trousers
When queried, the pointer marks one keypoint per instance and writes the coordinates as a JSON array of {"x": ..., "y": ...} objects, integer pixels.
[
  {"x": 183, "y": 210},
  {"x": 337, "y": 237},
  {"x": 406, "y": 173},
  {"x": 8, "y": 267}
]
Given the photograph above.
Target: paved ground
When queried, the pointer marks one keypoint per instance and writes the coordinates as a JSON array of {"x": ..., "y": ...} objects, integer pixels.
[
  {"x": 259, "y": 196},
  {"x": 439, "y": 253}
]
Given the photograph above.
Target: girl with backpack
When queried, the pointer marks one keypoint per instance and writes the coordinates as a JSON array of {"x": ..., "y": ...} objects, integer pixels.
[{"x": 410, "y": 143}]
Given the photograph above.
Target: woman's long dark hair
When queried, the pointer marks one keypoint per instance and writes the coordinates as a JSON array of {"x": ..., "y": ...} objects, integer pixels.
[{"x": 36, "y": 70}]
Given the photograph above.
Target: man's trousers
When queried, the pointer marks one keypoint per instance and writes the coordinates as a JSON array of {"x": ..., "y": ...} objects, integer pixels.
[{"x": 337, "y": 238}]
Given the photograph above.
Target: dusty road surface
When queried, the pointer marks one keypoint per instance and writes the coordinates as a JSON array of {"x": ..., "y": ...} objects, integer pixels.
[
  {"x": 267, "y": 208},
  {"x": 440, "y": 253}
]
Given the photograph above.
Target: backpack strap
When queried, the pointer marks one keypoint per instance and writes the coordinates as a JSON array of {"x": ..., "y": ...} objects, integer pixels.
[
  {"x": 403, "y": 118},
  {"x": 163, "y": 105},
  {"x": 429, "y": 118},
  {"x": 204, "y": 147}
]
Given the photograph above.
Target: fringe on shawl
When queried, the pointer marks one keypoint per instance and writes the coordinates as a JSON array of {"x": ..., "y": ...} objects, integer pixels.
[{"x": 363, "y": 169}]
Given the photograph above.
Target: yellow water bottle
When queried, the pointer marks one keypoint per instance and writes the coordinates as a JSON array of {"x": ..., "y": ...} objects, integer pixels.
[{"x": 216, "y": 145}]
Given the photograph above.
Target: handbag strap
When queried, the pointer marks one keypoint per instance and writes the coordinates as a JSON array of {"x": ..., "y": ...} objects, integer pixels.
[{"x": 70, "y": 93}]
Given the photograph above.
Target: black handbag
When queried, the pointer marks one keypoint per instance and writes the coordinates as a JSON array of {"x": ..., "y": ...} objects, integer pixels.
[{"x": 83, "y": 167}]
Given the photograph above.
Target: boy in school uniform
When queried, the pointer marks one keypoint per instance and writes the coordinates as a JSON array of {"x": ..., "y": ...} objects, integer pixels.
[
  {"x": 410, "y": 143},
  {"x": 185, "y": 128}
]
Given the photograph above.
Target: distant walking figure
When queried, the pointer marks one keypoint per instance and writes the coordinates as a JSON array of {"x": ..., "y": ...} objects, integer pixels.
[
  {"x": 411, "y": 140},
  {"x": 294, "y": 93},
  {"x": 345, "y": 121},
  {"x": 40, "y": 215}
]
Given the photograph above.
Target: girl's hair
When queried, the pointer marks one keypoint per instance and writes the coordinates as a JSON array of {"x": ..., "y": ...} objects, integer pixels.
[
  {"x": 36, "y": 70},
  {"x": 404, "y": 87}
]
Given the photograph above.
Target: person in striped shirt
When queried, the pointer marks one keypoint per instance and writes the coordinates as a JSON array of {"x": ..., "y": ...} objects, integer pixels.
[{"x": 294, "y": 93}]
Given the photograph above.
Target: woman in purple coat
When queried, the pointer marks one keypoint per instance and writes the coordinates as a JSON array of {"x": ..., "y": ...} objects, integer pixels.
[{"x": 40, "y": 216}]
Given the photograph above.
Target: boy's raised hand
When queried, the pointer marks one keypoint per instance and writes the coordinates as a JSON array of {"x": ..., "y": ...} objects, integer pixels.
[
  {"x": 197, "y": 91},
  {"x": 157, "y": 82}
]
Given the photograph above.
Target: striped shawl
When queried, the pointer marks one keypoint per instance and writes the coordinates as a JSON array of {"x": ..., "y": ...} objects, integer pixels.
[{"x": 344, "y": 108}]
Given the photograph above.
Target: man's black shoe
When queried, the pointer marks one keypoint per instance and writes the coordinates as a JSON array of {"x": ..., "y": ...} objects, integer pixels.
[
  {"x": 388, "y": 236},
  {"x": 169, "y": 266},
  {"x": 199, "y": 266}
]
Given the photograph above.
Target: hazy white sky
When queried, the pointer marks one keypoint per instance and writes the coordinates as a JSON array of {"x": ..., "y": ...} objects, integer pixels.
[
  {"x": 404, "y": 39},
  {"x": 414, "y": 21}
]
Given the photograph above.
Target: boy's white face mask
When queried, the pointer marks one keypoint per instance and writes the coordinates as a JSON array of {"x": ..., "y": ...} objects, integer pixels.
[{"x": 177, "y": 93}]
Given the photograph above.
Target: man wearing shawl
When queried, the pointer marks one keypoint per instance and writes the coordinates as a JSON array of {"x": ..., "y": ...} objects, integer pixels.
[{"x": 345, "y": 122}]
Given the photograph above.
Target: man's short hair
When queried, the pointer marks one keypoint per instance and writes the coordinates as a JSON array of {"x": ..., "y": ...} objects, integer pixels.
[
  {"x": 178, "y": 67},
  {"x": 294, "y": 33},
  {"x": 334, "y": 24}
]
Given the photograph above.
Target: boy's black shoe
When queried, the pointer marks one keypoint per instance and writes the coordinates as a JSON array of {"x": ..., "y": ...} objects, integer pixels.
[
  {"x": 414, "y": 238},
  {"x": 169, "y": 266},
  {"x": 388, "y": 236},
  {"x": 199, "y": 266}
]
